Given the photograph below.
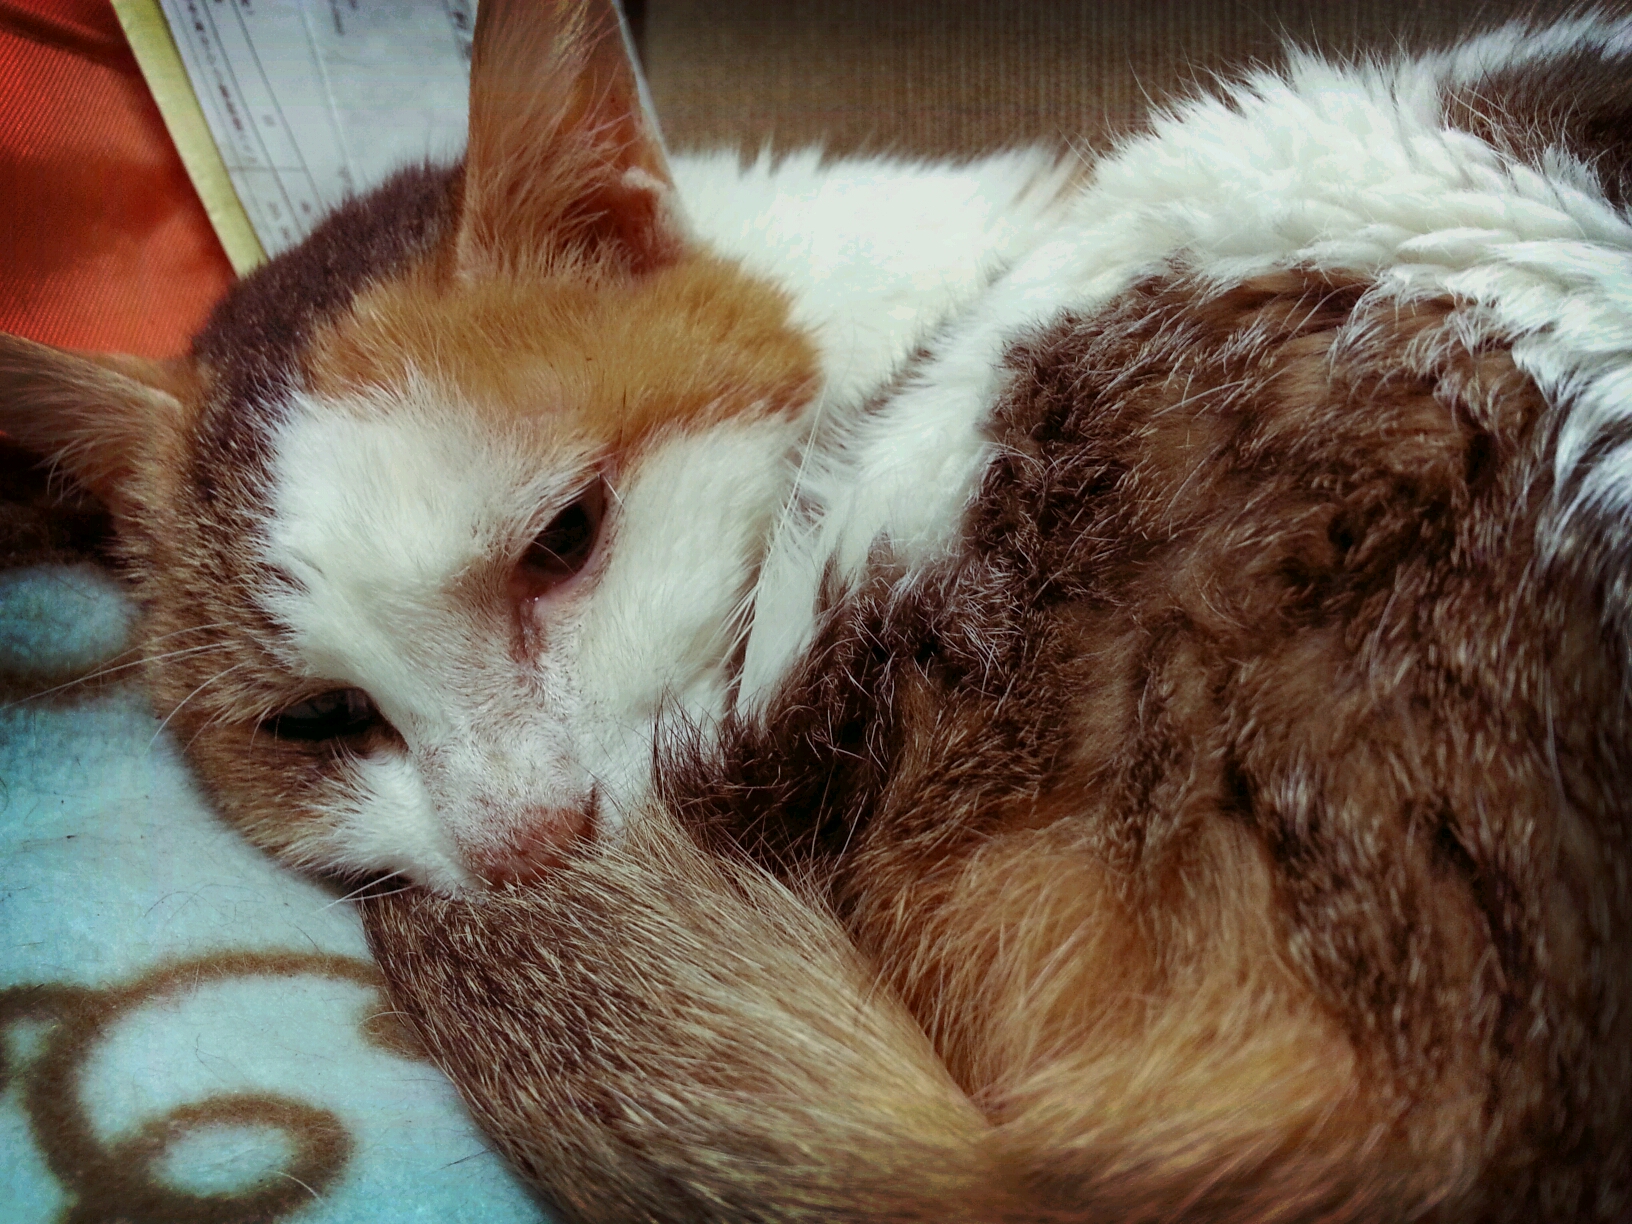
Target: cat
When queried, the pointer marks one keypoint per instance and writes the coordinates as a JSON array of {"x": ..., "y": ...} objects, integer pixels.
[{"x": 1023, "y": 690}]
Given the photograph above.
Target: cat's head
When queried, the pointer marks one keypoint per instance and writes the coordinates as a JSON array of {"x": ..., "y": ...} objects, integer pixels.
[{"x": 451, "y": 505}]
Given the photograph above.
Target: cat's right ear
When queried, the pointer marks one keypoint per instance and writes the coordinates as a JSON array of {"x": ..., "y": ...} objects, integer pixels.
[
  {"x": 563, "y": 159},
  {"x": 93, "y": 416}
]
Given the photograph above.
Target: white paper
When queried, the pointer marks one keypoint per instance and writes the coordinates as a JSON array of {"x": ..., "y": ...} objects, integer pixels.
[{"x": 313, "y": 101}]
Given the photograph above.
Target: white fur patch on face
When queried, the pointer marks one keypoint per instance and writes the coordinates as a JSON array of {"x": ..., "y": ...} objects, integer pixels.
[
  {"x": 381, "y": 512},
  {"x": 378, "y": 509},
  {"x": 381, "y": 818},
  {"x": 693, "y": 519}
]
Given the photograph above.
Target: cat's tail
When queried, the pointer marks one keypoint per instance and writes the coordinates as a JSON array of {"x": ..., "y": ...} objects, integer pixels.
[{"x": 656, "y": 1034}]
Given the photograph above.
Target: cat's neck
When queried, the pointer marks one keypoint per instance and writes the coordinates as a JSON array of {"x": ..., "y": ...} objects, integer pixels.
[
  {"x": 881, "y": 257},
  {"x": 877, "y": 253}
]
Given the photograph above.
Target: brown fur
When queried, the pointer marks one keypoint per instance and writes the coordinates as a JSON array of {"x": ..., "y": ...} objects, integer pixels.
[
  {"x": 793, "y": 1088},
  {"x": 1319, "y": 677},
  {"x": 1577, "y": 102},
  {"x": 1243, "y": 821}
]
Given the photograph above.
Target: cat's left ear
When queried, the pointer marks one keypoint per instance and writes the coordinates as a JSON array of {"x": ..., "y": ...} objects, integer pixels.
[
  {"x": 95, "y": 416},
  {"x": 563, "y": 160}
]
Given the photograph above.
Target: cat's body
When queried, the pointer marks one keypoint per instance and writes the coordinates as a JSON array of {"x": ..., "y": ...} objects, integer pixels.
[{"x": 1025, "y": 691}]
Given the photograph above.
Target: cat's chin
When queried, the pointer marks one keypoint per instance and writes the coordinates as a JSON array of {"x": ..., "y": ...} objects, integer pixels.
[
  {"x": 525, "y": 854},
  {"x": 526, "y": 876}
]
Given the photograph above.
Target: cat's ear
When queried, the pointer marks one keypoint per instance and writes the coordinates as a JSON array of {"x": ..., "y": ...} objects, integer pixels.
[
  {"x": 92, "y": 415},
  {"x": 562, "y": 158}
]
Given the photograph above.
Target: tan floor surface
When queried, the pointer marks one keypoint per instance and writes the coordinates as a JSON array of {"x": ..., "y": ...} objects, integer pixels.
[{"x": 949, "y": 76}]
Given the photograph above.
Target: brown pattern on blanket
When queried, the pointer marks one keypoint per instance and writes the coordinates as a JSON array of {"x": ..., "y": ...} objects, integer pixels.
[{"x": 123, "y": 1180}]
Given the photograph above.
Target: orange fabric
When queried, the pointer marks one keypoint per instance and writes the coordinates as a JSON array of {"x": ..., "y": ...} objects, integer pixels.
[{"x": 104, "y": 245}]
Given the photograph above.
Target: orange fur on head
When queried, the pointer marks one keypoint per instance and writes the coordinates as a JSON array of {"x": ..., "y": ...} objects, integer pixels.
[
  {"x": 564, "y": 299},
  {"x": 693, "y": 343}
]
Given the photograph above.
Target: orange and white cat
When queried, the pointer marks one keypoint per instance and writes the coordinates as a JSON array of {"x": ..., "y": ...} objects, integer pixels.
[{"x": 1008, "y": 691}]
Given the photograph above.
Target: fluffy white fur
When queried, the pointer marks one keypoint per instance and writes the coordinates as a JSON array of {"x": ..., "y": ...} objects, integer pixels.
[
  {"x": 876, "y": 252},
  {"x": 376, "y": 517},
  {"x": 383, "y": 519}
]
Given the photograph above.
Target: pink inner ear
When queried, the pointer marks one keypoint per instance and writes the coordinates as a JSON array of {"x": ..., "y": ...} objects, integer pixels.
[
  {"x": 562, "y": 160},
  {"x": 636, "y": 219}
]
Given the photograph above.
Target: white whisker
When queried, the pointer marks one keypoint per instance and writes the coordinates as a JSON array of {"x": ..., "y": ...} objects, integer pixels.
[
  {"x": 110, "y": 670},
  {"x": 409, "y": 887},
  {"x": 177, "y": 709},
  {"x": 365, "y": 886},
  {"x": 189, "y": 629}
]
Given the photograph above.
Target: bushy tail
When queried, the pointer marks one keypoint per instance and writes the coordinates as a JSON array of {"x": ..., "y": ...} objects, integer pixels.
[
  {"x": 654, "y": 1034},
  {"x": 657, "y": 1034}
]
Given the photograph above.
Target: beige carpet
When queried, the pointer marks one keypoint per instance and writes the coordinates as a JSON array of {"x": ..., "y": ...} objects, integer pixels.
[{"x": 950, "y": 76}]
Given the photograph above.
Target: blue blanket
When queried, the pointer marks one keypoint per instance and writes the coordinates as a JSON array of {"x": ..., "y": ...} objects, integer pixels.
[{"x": 190, "y": 1031}]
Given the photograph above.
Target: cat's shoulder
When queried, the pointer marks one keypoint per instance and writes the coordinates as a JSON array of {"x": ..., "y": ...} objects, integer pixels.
[{"x": 876, "y": 250}]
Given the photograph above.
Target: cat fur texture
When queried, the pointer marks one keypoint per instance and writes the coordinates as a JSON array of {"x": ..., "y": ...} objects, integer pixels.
[{"x": 1023, "y": 690}]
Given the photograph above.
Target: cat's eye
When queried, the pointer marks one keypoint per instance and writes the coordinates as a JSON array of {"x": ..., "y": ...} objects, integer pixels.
[
  {"x": 567, "y": 542},
  {"x": 332, "y": 715}
]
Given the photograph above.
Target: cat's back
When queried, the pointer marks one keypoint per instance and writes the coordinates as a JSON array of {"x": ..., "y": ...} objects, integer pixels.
[{"x": 1251, "y": 767}]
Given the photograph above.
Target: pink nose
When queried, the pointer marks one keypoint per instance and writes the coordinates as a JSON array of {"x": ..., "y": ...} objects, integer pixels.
[{"x": 536, "y": 843}]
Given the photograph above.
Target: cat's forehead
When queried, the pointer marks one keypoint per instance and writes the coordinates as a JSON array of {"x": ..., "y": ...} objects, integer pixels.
[
  {"x": 405, "y": 478},
  {"x": 253, "y": 347},
  {"x": 578, "y": 349},
  {"x": 367, "y": 309}
]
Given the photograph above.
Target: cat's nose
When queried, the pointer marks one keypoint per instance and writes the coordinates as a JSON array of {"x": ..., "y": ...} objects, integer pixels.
[{"x": 538, "y": 843}]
